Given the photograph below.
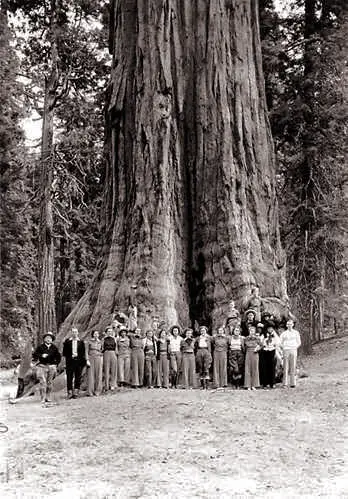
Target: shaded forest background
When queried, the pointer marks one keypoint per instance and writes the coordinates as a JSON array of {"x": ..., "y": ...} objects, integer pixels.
[{"x": 54, "y": 62}]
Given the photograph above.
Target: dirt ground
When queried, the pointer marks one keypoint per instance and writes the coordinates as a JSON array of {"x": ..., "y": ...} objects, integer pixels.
[{"x": 177, "y": 443}]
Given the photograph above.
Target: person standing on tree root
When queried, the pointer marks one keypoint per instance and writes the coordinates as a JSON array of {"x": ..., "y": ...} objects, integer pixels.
[
  {"x": 47, "y": 358},
  {"x": 290, "y": 341},
  {"x": 203, "y": 356},
  {"x": 137, "y": 358},
  {"x": 175, "y": 355},
  {"x": 188, "y": 359},
  {"x": 75, "y": 360},
  {"x": 220, "y": 347},
  {"x": 255, "y": 303},
  {"x": 110, "y": 359},
  {"x": 94, "y": 357}
]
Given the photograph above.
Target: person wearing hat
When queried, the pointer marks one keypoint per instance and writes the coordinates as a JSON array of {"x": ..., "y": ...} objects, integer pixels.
[
  {"x": 46, "y": 358},
  {"x": 203, "y": 355},
  {"x": 75, "y": 360},
  {"x": 249, "y": 320},
  {"x": 123, "y": 361}
]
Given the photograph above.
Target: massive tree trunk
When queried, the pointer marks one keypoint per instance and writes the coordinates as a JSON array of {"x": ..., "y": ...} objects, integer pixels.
[
  {"x": 191, "y": 212},
  {"x": 46, "y": 298}
]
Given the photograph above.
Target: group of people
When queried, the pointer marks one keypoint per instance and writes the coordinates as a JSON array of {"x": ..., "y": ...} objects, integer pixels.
[{"x": 247, "y": 351}]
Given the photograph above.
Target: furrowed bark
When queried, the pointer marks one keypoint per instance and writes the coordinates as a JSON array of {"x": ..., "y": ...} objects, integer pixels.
[{"x": 190, "y": 203}]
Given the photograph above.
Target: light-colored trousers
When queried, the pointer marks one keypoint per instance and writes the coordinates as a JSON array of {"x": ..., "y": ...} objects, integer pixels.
[
  {"x": 95, "y": 375},
  {"x": 150, "y": 369},
  {"x": 137, "y": 366},
  {"x": 45, "y": 375},
  {"x": 220, "y": 368},
  {"x": 289, "y": 366},
  {"x": 163, "y": 370},
  {"x": 251, "y": 369},
  {"x": 123, "y": 368},
  {"x": 189, "y": 369},
  {"x": 110, "y": 369}
]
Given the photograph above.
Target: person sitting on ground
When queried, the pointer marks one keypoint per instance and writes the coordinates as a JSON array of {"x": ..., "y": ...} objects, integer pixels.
[
  {"x": 253, "y": 344},
  {"x": 290, "y": 341},
  {"x": 220, "y": 349},
  {"x": 163, "y": 356},
  {"x": 203, "y": 356},
  {"x": 188, "y": 359},
  {"x": 150, "y": 352},
  {"x": 94, "y": 360},
  {"x": 46, "y": 358},
  {"x": 175, "y": 339}
]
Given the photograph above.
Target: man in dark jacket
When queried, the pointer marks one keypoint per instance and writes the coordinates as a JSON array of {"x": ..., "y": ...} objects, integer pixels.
[
  {"x": 46, "y": 359},
  {"x": 75, "y": 359}
]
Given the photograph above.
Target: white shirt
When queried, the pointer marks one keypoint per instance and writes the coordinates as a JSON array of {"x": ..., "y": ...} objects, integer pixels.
[
  {"x": 290, "y": 340},
  {"x": 175, "y": 343},
  {"x": 74, "y": 347}
]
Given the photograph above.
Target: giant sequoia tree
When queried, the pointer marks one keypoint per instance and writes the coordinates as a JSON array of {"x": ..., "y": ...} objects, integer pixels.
[{"x": 190, "y": 205}]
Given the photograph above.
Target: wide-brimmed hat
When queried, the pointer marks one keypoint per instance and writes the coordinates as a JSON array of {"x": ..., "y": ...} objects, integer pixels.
[{"x": 49, "y": 334}]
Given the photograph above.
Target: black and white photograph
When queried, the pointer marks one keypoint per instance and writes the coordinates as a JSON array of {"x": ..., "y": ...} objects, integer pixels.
[{"x": 174, "y": 257}]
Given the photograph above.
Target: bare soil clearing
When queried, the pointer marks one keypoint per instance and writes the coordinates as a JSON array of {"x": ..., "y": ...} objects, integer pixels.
[{"x": 177, "y": 443}]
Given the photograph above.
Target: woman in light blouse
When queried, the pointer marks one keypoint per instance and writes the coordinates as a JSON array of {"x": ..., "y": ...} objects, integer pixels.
[{"x": 94, "y": 358}]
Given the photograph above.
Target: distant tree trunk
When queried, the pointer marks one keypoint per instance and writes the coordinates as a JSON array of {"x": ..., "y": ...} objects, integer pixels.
[
  {"x": 47, "y": 313},
  {"x": 190, "y": 204}
]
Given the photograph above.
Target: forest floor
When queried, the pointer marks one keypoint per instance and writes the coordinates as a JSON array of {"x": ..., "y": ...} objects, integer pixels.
[{"x": 177, "y": 443}]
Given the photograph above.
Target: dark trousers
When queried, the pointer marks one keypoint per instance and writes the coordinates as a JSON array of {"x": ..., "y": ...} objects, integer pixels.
[
  {"x": 267, "y": 367},
  {"x": 150, "y": 369},
  {"x": 73, "y": 374},
  {"x": 203, "y": 362}
]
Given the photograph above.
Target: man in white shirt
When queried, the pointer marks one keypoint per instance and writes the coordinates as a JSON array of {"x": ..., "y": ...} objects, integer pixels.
[
  {"x": 75, "y": 359},
  {"x": 290, "y": 341}
]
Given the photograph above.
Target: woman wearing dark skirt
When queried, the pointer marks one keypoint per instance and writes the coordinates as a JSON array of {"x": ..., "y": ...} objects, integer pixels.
[{"x": 267, "y": 361}]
